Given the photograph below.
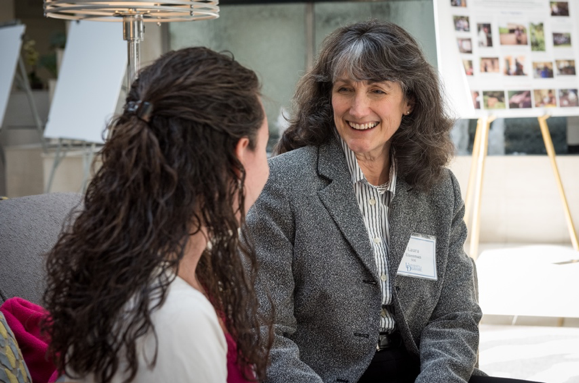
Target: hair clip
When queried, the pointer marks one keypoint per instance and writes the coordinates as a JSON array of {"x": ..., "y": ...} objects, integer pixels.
[{"x": 143, "y": 109}]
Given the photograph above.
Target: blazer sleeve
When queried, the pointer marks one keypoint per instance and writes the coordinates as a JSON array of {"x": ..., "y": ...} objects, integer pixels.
[
  {"x": 450, "y": 341},
  {"x": 270, "y": 224}
]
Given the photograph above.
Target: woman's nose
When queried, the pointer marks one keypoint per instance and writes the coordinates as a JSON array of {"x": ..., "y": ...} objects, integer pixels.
[{"x": 359, "y": 106}]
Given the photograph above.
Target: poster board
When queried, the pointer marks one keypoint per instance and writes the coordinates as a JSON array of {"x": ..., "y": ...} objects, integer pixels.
[
  {"x": 508, "y": 58},
  {"x": 89, "y": 82},
  {"x": 10, "y": 44}
]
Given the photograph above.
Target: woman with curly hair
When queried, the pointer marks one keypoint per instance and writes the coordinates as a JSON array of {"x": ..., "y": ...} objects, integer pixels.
[
  {"x": 148, "y": 284},
  {"x": 359, "y": 231}
]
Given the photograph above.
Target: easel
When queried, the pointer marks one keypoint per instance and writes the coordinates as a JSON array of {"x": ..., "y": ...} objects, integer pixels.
[
  {"x": 22, "y": 77},
  {"x": 105, "y": 59},
  {"x": 64, "y": 146},
  {"x": 475, "y": 179}
]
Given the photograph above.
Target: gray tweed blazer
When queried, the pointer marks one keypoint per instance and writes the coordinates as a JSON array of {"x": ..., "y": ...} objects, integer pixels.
[{"x": 317, "y": 264}]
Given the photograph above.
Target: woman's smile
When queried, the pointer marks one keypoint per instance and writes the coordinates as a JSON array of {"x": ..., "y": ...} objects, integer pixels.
[{"x": 362, "y": 126}]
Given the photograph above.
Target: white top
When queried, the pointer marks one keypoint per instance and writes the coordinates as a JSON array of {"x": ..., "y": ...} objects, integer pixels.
[{"x": 191, "y": 343}]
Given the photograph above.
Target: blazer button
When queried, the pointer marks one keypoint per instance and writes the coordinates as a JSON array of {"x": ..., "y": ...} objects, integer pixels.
[{"x": 362, "y": 335}]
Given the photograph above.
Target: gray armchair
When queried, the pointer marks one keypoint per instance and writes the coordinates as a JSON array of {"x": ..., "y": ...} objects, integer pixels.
[{"x": 29, "y": 227}]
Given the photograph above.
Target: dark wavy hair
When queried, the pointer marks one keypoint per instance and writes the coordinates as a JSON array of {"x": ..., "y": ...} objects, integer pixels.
[
  {"x": 375, "y": 51},
  {"x": 160, "y": 181}
]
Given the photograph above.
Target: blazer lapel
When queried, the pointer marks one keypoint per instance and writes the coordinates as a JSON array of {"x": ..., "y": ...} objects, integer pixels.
[
  {"x": 340, "y": 201},
  {"x": 404, "y": 215}
]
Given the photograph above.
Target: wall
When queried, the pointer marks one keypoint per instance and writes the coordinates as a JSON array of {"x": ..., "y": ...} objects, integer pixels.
[
  {"x": 416, "y": 16},
  {"x": 268, "y": 39},
  {"x": 520, "y": 199}
]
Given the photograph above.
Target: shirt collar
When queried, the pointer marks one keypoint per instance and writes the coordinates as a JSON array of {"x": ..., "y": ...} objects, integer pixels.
[{"x": 357, "y": 175}]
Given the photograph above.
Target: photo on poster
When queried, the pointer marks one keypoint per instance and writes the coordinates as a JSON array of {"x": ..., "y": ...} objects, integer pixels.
[
  {"x": 545, "y": 98},
  {"x": 568, "y": 98},
  {"x": 542, "y": 69},
  {"x": 565, "y": 67},
  {"x": 468, "y": 68},
  {"x": 512, "y": 34},
  {"x": 489, "y": 65},
  {"x": 515, "y": 66},
  {"x": 537, "y": 32},
  {"x": 464, "y": 45},
  {"x": 494, "y": 99},
  {"x": 559, "y": 8},
  {"x": 476, "y": 99},
  {"x": 461, "y": 24},
  {"x": 484, "y": 35},
  {"x": 458, "y": 3},
  {"x": 520, "y": 99},
  {"x": 561, "y": 39}
]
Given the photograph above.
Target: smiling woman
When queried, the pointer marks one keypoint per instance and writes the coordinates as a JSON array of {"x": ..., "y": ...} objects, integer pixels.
[{"x": 360, "y": 182}]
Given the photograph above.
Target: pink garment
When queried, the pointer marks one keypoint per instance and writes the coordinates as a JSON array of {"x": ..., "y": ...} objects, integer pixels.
[
  {"x": 234, "y": 374},
  {"x": 24, "y": 317}
]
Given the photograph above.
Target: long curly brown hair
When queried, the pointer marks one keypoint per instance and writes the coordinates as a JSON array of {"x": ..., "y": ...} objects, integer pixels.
[
  {"x": 160, "y": 181},
  {"x": 375, "y": 51}
]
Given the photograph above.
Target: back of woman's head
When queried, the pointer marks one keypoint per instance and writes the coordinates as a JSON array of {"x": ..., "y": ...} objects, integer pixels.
[
  {"x": 201, "y": 104},
  {"x": 373, "y": 51},
  {"x": 168, "y": 167}
]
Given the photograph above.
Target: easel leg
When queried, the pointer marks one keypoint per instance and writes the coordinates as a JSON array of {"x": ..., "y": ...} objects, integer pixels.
[
  {"x": 58, "y": 156},
  {"x": 88, "y": 157},
  {"x": 28, "y": 90},
  {"x": 551, "y": 153},
  {"x": 482, "y": 154},
  {"x": 471, "y": 175}
]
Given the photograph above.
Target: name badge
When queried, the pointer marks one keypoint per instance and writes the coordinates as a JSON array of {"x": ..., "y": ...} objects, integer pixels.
[{"x": 419, "y": 258}]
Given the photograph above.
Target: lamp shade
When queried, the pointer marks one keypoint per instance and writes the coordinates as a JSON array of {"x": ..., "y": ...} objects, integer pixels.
[{"x": 151, "y": 11}]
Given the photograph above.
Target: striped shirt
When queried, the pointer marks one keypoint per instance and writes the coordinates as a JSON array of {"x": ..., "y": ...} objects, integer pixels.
[{"x": 374, "y": 202}]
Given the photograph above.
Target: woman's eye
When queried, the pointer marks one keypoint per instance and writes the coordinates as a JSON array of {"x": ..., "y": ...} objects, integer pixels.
[
  {"x": 343, "y": 89},
  {"x": 378, "y": 91}
]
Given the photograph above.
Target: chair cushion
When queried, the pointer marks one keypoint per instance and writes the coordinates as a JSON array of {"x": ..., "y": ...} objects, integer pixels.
[{"x": 29, "y": 227}]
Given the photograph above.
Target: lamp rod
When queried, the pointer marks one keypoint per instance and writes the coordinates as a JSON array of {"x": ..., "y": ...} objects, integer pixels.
[{"x": 133, "y": 33}]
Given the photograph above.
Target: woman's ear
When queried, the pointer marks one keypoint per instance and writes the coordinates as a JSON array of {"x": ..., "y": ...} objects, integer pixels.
[
  {"x": 241, "y": 149},
  {"x": 410, "y": 102}
]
